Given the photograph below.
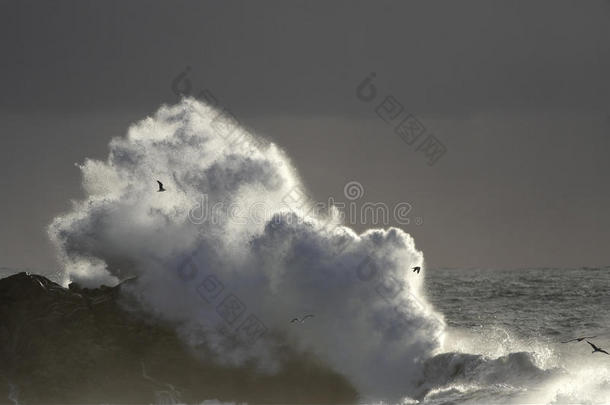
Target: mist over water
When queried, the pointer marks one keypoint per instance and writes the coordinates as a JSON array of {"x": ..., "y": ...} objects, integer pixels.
[
  {"x": 516, "y": 320},
  {"x": 373, "y": 322}
]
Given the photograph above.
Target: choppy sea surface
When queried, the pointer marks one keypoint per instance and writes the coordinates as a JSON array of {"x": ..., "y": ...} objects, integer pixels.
[
  {"x": 516, "y": 320},
  {"x": 504, "y": 334}
]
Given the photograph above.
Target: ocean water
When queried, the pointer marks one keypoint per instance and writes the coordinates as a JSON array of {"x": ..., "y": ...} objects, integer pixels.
[
  {"x": 515, "y": 320},
  {"x": 377, "y": 322},
  {"x": 502, "y": 342}
]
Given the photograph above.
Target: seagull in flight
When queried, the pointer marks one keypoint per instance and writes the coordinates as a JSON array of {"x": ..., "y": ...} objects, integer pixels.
[
  {"x": 580, "y": 339},
  {"x": 416, "y": 269},
  {"x": 597, "y": 349},
  {"x": 160, "y": 187},
  {"x": 302, "y": 319}
]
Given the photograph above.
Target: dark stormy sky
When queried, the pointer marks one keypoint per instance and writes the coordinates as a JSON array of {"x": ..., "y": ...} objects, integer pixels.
[{"x": 518, "y": 92}]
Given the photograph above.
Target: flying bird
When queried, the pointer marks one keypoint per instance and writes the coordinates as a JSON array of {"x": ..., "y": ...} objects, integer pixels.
[
  {"x": 597, "y": 349},
  {"x": 580, "y": 339},
  {"x": 160, "y": 186},
  {"x": 416, "y": 269},
  {"x": 302, "y": 319}
]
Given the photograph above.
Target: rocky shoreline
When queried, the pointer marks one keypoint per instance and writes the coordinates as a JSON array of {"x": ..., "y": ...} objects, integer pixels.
[{"x": 77, "y": 345}]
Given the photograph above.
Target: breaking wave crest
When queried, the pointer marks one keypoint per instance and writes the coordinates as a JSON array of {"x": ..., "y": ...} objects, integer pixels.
[
  {"x": 219, "y": 277},
  {"x": 372, "y": 322}
]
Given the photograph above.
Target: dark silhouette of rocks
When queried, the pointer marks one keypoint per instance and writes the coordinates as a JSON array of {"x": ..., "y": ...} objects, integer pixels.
[{"x": 80, "y": 345}]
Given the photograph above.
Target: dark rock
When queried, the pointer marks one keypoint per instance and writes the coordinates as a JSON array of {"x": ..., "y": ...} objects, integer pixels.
[{"x": 79, "y": 345}]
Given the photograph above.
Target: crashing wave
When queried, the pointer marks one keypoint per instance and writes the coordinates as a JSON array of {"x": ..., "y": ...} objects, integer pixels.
[{"x": 372, "y": 323}]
